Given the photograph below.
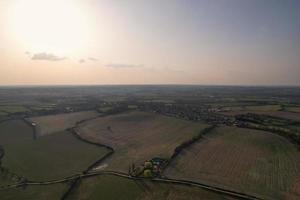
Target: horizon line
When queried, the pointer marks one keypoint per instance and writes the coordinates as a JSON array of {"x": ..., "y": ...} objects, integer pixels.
[{"x": 168, "y": 84}]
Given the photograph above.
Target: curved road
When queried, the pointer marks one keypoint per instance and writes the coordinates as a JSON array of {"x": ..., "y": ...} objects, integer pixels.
[{"x": 124, "y": 175}]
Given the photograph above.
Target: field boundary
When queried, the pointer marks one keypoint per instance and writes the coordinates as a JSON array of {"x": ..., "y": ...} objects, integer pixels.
[
  {"x": 2, "y": 152},
  {"x": 76, "y": 181},
  {"x": 293, "y": 139},
  {"x": 77, "y": 135},
  {"x": 189, "y": 142}
]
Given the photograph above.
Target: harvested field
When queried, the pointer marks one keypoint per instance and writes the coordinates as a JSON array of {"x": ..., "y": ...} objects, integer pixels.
[
  {"x": 54, "y": 123},
  {"x": 110, "y": 188},
  {"x": 138, "y": 136},
  {"x": 50, "y": 157},
  {"x": 245, "y": 160}
]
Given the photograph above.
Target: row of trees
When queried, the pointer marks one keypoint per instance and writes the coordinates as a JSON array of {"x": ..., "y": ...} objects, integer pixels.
[
  {"x": 1, "y": 154},
  {"x": 187, "y": 143},
  {"x": 274, "y": 125}
]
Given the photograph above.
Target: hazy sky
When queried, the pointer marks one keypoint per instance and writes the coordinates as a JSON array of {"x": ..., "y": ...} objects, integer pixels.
[{"x": 236, "y": 42}]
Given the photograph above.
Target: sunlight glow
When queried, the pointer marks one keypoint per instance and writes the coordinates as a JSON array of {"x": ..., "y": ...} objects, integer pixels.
[{"x": 56, "y": 26}]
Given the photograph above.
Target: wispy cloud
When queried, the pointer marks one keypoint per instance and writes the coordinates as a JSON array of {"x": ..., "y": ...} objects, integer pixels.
[
  {"x": 175, "y": 70},
  {"x": 81, "y": 61},
  {"x": 119, "y": 65},
  {"x": 47, "y": 56},
  {"x": 93, "y": 59}
]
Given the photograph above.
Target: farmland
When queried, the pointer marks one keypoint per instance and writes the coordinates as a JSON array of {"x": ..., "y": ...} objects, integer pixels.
[
  {"x": 293, "y": 109},
  {"x": 138, "y": 136},
  {"x": 242, "y": 159},
  {"x": 109, "y": 187},
  {"x": 2, "y": 113},
  {"x": 49, "y": 157},
  {"x": 13, "y": 108},
  {"x": 35, "y": 192},
  {"x": 54, "y": 123},
  {"x": 194, "y": 131}
]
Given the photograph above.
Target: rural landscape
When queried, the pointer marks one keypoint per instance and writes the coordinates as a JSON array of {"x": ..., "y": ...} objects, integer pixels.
[
  {"x": 150, "y": 142},
  {"x": 150, "y": 100}
]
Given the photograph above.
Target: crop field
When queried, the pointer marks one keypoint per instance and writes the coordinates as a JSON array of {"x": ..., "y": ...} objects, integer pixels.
[
  {"x": 263, "y": 108},
  {"x": 43, "y": 107},
  {"x": 105, "y": 108},
  {"x": 138, "y": 136},
  {"x": 295, "y": 109},
  {"x": 251, "y": 161},
  {"x": 13, "y": 108},
  {"x": 110, "y": 187},
  {"x": 35, "y": 192},
  {"x": 55, "y": 123},
  {"x": 50, "y": 157},
  {"x": 286, "y": 115}
]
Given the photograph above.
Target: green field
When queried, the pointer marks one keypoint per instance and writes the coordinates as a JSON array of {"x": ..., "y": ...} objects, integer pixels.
[
  {"x": 292, "y": 109},
  {"x": 263, "y": 108},
  {"x": 138, "y": 136},
  {"x": 116, "y": 188},
  {"x": 13, "y": 109},
  {"x": 246, "y": 160},
  {"x": 50, "y": 157},
  {"x": 50, "y": 192},
  {"x": 3, "y": 113},
  {"x": 42, "y": 107},
  {"x": 55, "y": 123},
  {"x": 105, "y": 108}
]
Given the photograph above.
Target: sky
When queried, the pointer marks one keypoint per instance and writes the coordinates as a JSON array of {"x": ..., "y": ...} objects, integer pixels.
[{"x": 206, "y": 42}]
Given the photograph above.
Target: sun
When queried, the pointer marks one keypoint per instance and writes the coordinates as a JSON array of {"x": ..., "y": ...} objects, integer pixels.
[{"x": 56, "y": 26}]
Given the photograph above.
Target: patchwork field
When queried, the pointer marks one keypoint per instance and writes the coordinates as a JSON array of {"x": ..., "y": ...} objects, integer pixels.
[
  {"x": 245, "y": 160},
  {"x": 54, "y": 123},
  {"x": 50, "y": 157},
  {"x": 110, "y": 187},
  {"x": 138, "y": 136}
]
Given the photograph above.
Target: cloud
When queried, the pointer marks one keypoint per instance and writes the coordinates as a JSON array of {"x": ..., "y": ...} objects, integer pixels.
[
  {"x": 175, "y": 70},
  {"x": 93, "y": 59},
  {"x": 47, "y": 56},
  {"x": 119, "y": 66},
  {"x": 81, "y": 61}
]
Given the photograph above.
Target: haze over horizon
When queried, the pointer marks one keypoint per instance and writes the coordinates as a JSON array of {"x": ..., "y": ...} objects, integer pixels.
[{"x": 88, "y": 42}]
